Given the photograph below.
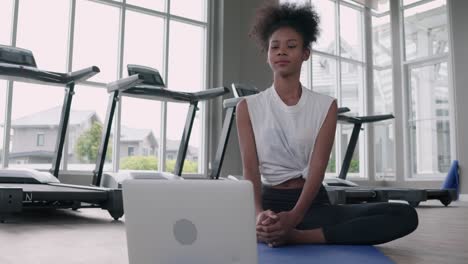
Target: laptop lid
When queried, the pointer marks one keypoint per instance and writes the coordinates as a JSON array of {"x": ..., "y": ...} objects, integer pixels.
[{"x": 190, "y": 221}]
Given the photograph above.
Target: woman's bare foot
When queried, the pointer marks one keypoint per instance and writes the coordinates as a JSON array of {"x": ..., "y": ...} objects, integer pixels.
[{"x": 313, "y": 236}]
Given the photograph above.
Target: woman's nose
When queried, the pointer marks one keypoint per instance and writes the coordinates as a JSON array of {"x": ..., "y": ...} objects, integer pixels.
[{"x": 281, "y": 51}]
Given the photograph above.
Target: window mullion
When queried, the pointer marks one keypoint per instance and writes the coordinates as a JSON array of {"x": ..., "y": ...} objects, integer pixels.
[
  {"x": 9, "y": 94},
  {"x": 398, "y": 91},
  {"x": 339, "y": 142},
  {"x": 368, "y": 161},
  {"x": 163, "y": 132}
]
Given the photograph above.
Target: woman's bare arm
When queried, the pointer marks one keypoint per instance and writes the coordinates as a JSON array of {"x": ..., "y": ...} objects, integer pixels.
[
  {"x": 248, "y": 151},
  {"x": 318, "y": 163}
]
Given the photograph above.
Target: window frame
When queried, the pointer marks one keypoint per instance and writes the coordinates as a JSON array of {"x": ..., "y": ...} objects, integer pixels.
[
  {"x": 39, "y": 136},
  {"x": 407, "y": 67},
  {"x": 339, "y": 59},
  {"x": 123, "y": 7}
]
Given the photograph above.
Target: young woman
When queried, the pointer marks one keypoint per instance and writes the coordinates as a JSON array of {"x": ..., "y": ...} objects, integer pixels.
[{"x": 286, "y": 134}]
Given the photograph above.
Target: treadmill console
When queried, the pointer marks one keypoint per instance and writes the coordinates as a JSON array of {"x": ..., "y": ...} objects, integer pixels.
[
  {"x": 245, "y": 90},
  {"x": 151, "y": 76},
  {"x": 16, "y": 56}
]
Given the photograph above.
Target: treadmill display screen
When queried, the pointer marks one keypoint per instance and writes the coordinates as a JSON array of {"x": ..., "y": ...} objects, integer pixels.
[
  {"x": 150, "y": 76},
  {"x": 16, "y": 56}
]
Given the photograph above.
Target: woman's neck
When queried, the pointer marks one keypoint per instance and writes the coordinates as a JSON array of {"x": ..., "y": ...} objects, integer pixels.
[{"x": 288, "y": 88}]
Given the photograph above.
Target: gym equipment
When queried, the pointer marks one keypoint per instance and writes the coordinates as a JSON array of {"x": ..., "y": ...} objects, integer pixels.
[
  {"x": 150, "y": 87},
  {"x": 26, "y": 188},
  {"x": 411, "y": 195}
]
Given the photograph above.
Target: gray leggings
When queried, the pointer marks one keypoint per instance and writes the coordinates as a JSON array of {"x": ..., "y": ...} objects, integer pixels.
[{"x": 356, "y": 224}]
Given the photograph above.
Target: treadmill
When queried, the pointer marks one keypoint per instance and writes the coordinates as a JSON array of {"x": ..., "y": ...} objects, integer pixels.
[
  {"x": 146, "y": 83},
  {"x": 22, "y": 189},
  {"x": 336, "y": 194},
  {"x": 412, "y": 195}
]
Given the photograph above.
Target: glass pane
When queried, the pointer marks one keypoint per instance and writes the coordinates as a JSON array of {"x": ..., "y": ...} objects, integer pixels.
[
  {"x": 408, "y": 2},
  {"x": 139, "y": 134},
  {"x": 87, "y": 118},
  {"x": 352, "y": 87},
  {"x": 3, "y": 87},
  {"x": 351, "y": 33},
  {"x": 384, "y": 150},
  {"x": 31, "y": 118},
  {"x": 151, "y": 4},
  {"x": 304, "y": 78},
  {"x": 383, "y": 91},
  {"x": 96, "y": 39},
  {"x": 6, "y": 14},
  {"x": 194, "y": 9},
  {"x": 145, "y": 50},
  {"x": 426, "y": 30},
  {"x": 382, "y": 41},
  {"x": 346, "y": 130},
  {"x": 331, "y": 166},
  {"x": 384, "y": 138},
  {"x": 186, "y": 72},
  {"x": 381, "y": 6},
  {"x": 357, "y": 3},
  {"x": 324, "y": 75},
  {"x": 44, "y": 33},
  {"x": 326, "y": 41},
  {"x": 429, "y": 122},
  {"x": 186, "y": 65},
  {"x": 176, "y": 115}
]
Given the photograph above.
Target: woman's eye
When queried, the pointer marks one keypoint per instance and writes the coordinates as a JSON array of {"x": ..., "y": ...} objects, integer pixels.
[
  {"x": 274, "y": 47},
  {"x": 291, "y": 47}
]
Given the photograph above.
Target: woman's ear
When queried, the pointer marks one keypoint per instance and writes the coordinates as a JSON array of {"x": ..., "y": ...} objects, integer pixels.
[{"x": 306, "y": 54}]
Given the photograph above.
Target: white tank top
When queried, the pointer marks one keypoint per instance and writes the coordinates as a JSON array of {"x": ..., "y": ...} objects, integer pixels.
[{"x": 285, "y": 135}]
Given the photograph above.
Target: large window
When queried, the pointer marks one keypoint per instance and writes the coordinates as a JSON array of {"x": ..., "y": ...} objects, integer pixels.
[
  {"x": 97, "y": 39},
  {"x": 428, "y": 118},
  {"x": 110, "y": 35},
  {"x": 384, "y": 136},
  {"x": 6, "y": 12},
  {"x": 186, "y": 67},
  {"x": 337, "y": 69}
]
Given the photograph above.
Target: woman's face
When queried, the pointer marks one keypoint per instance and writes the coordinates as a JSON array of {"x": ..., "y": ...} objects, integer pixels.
[{"x": 286, "y": 52}]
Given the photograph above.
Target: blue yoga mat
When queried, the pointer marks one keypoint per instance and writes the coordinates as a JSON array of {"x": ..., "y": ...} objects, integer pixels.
[{"x": 312, "y": 254}]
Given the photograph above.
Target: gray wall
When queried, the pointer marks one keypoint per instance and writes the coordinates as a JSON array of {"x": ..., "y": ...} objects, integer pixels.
[
  {"x": 236, "y": 58},
  {"x": 459, "y": 21}
]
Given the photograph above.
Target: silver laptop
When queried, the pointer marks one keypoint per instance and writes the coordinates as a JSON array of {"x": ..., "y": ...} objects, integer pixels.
[{"x": 190, "y": 221}]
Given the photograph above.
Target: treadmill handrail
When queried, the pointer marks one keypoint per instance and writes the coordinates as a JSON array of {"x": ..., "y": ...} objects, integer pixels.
[
  {"x": 82, "y": 75},
  {"x": 124, "y": 83},
  {"x": 29, "y": 74},
  {"x": 160, "y": 94},
  {"x": 364, "y": 119},
  {"x": 242, "y": 86},
  {"x": 342, "y": 110},
  {"x": 232, "y": 102}
]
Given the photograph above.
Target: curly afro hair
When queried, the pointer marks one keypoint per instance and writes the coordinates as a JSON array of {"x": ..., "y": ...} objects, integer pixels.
[{"x": 272, "y": 16}]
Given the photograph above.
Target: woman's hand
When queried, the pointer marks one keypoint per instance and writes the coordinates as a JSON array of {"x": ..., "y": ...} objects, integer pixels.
[
  {"x": 266, "y": 218},
  {"x": 279, "y": 229}
]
